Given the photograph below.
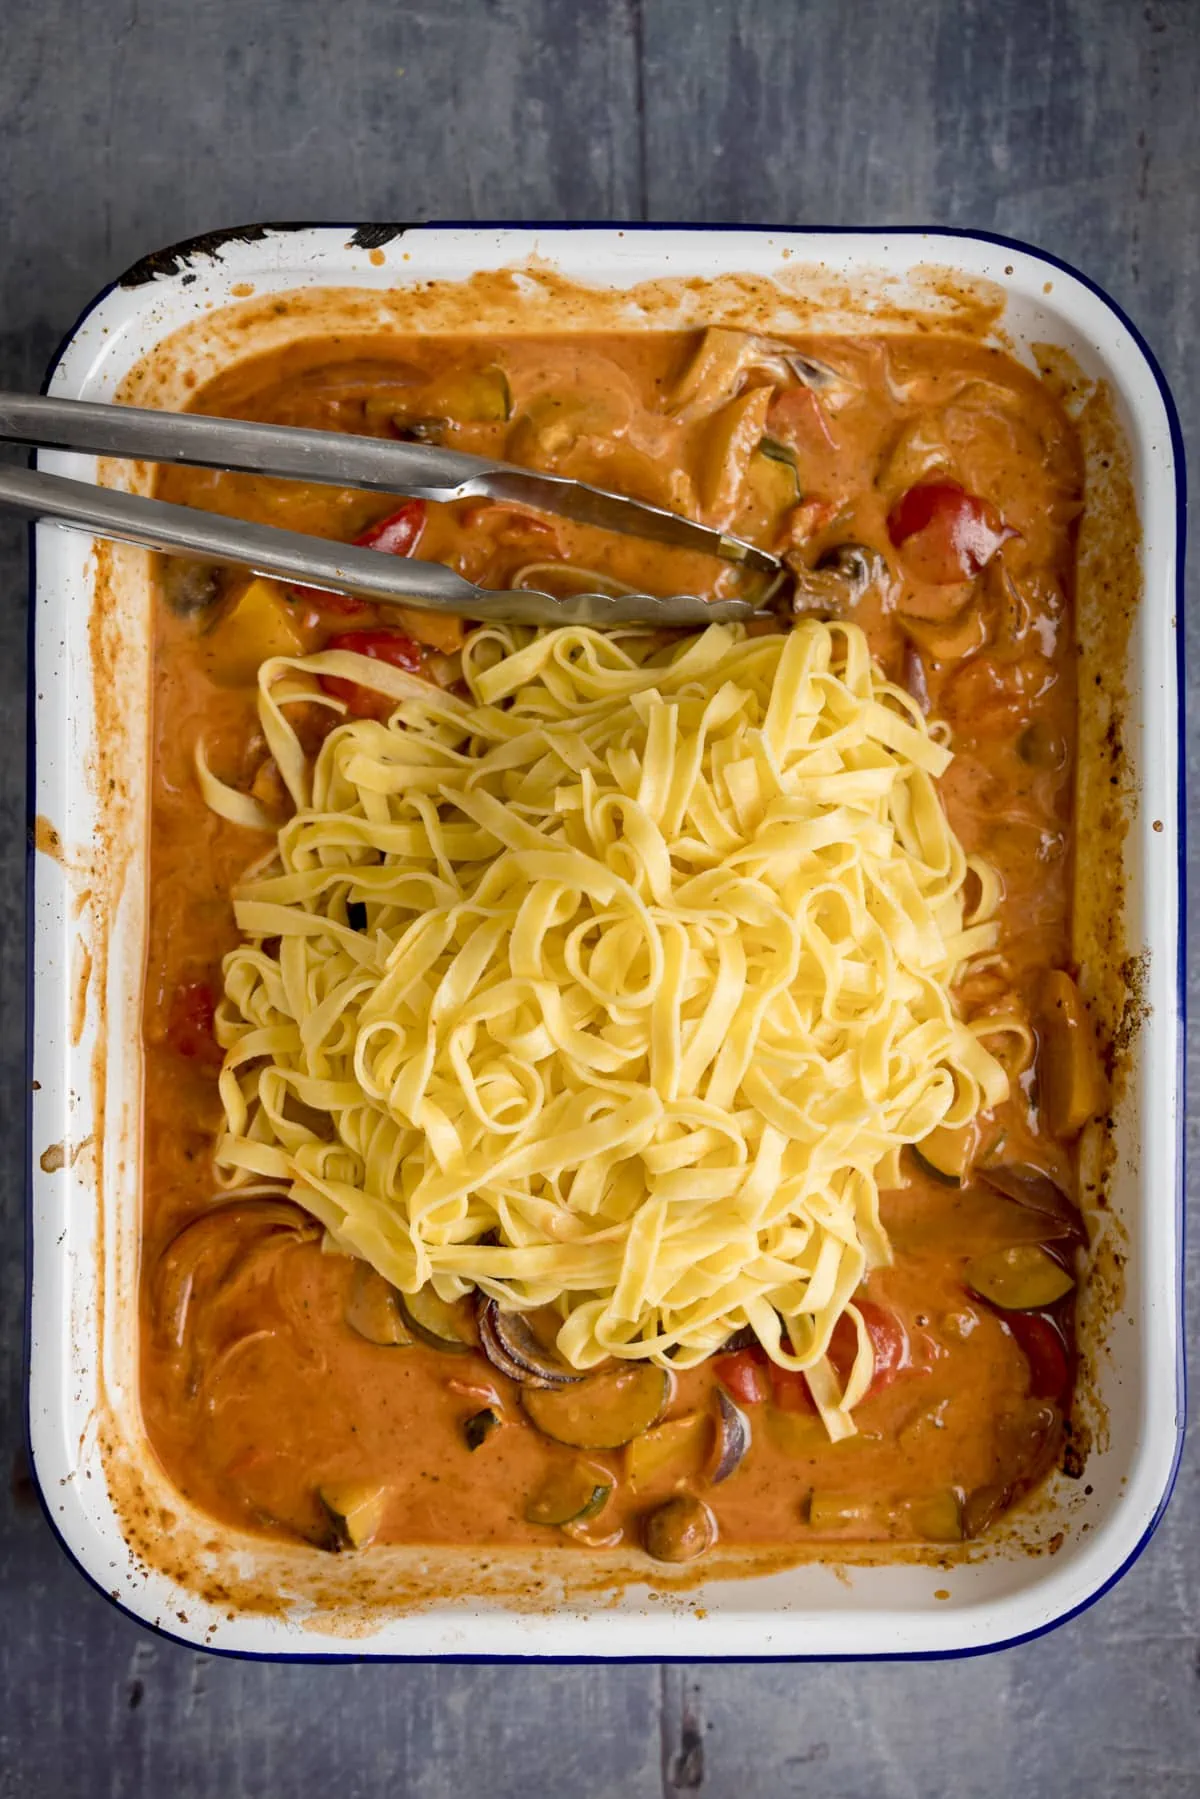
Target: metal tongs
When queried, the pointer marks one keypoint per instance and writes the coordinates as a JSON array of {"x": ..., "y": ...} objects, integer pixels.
[{"x": 419, "y": 471}]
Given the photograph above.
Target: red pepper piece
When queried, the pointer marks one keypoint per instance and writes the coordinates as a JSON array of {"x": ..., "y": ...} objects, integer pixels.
[
  {"x": 743, "y": 1375},
  {"x": 396, "y": 535},
  {"x": 392, "y": 647}
]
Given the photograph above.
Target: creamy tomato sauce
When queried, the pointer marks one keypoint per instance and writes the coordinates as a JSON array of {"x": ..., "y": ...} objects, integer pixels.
[{"x": 928, "y": 488}]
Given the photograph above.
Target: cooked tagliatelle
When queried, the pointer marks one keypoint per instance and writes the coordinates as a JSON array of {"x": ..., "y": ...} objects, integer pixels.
[{"x": 617, "y": 986}]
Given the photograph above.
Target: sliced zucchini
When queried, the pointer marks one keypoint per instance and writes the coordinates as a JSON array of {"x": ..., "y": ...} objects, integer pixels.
[
  {"x": 773, "y": 476},
  {"x": 681, "y": 1445},
  {"x": 355, "y": 1510},
  {"x": 946, "y": 1154},
  {"x": 373, "y": 1310},
  {"x": 604, "y": 1411},
  {"x": 680, "y": 1530},
  {"x": 440, "y": 1323},
  {"x": 480, "y": 1426},
  {"x": 254, "y": 624},
  {"x": 1022, "y": 1278},
  {"x": 569, "y": 1495}
]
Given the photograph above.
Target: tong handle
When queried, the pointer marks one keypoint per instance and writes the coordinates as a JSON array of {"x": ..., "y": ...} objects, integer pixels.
[
  {"x": 211, "y": 537},
  {"x": 333, "y": 458}
]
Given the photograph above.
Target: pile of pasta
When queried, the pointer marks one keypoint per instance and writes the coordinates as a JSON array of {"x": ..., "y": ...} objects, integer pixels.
[{"x": 617, "y": 984}]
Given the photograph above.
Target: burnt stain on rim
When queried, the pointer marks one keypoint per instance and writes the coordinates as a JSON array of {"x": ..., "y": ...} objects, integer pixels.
[{"x": 176, "y": 258}]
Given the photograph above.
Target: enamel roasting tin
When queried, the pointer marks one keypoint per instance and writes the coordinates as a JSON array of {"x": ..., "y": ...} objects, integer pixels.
[{"x": 169, "y": 324}]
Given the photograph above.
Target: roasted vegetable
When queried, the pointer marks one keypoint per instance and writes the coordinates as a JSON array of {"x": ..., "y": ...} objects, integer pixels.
[
  {"x": 679, "y": 1447},
  {"x": 355, "y": 1511},
  {"x": 743, "y": 1374},
  {"x": 1070, "y": 1084},
  {"x": 839, "y": 580},
  {"x": 841, "y": 1512},
  {"x": 937, "y": 1518},
  {"x": 945, "y": 533},
  {"x": 679, "y": 1530},
  {"x": 188, "y": 587},
  {"x": 1044, "y": 1347},
  {"x": 724, "y": 358},
  {"x": 951, "y": 639},
  {"x": 1031, "y": 1188},
  {"x": 731, "y": 441},
  {"x": 604, "y": 1411},
  {"x": 511, "y": 1345},
  {"x": 440, "y": 1323},
  {"x": 732, "y": 1439},
  {"x": 946, "y": 1154},
  {"x": 424, "y": 415},
  {"x": 480, "y": 1426},
  {"x": 1022, "y": 1278},
  {"x": 773, "y": 476},
  {"x": 391, "y": 647},
  {"x": 212, "y": 1245},
  {"x": 254, "y": 624},
  {"x": 569, "y": 1495},
  {"x": 373, "y": 1309}
]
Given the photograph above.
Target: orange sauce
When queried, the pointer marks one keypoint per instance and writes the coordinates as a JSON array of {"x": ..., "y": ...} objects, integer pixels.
[{"x": 256, "y": 1390}]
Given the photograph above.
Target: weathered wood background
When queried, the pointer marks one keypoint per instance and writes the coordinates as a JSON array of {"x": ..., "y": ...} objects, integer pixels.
[{"x": 128, "y": 124}]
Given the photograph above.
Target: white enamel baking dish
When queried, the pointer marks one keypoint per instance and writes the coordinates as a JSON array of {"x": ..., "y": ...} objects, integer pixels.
[{"x": 114, "y": 1511}]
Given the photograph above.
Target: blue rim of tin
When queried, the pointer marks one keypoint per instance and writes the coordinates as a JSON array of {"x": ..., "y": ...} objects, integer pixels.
[{"x": 210, "y": 245}]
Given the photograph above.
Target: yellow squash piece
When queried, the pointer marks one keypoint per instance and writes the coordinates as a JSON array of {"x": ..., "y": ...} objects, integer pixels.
[
  {"x": 937, "y": 1517},
  {"x": 840, "y": 1512},
  {"x": 255, "y": 623},
  {"x": 1070, "y": 1083},
  {"x": 946, "y": 1154},
  {"x": 731, "y": 441},
  {"x": 678, "y": 1447},
  {"x": 355, "y": 1510}
]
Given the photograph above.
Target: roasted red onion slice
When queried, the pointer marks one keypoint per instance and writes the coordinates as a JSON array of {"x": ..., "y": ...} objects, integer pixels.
[
  {"x": 733, "y": 1437},
  {"x": 510, "y": 1345}
]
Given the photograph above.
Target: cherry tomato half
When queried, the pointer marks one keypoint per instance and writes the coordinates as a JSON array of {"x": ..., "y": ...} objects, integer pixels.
[
  {"x": 392, "y": 647},
  {"x": 946, "y": 533}
]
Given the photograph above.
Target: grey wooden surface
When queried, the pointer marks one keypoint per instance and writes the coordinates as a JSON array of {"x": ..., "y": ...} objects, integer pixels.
[{"x": 127, "y": 124}]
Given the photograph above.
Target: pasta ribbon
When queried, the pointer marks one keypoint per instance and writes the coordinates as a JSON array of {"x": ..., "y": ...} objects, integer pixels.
[{"x": 616, "y": 985}]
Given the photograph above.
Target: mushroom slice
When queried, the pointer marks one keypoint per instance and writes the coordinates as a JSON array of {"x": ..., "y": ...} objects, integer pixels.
[{"x": 839, "y": 580}]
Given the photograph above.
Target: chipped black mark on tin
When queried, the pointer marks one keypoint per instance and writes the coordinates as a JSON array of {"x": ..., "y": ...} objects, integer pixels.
[
  {"x": 374, "y": 237},
  {"x": 163, "y": 264}
]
